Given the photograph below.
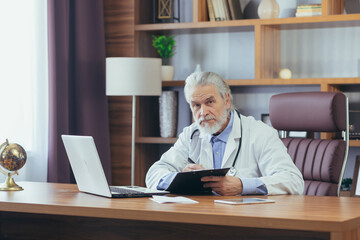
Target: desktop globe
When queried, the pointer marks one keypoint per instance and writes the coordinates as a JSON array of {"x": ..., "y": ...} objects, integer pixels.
[{"x": 12, "y": 158}]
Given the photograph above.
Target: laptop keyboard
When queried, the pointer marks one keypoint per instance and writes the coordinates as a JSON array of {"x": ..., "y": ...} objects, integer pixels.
[{"x": 123, "y": 190}]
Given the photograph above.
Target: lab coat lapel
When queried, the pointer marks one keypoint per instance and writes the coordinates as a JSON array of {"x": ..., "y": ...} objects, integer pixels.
[{"x": 232, "y": 143}]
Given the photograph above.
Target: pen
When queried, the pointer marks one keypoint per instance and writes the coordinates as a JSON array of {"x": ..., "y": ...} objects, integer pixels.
[{"x": 190, "y": 160}]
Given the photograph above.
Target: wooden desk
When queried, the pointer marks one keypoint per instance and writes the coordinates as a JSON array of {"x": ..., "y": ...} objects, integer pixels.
[{"x": 59, "y": 211}]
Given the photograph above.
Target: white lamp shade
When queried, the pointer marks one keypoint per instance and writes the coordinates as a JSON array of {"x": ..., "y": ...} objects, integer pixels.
[{"x": 133, "y": 76}]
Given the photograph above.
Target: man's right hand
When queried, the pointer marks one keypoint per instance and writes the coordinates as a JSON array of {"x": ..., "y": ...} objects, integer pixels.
[{"x": 192, "y": 167}]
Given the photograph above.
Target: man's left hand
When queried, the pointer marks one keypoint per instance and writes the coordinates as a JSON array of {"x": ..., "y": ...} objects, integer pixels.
[{"x": 227, "y": 185}]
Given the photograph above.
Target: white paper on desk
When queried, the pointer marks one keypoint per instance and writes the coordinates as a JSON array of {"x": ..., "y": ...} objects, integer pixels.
[{"x": 165, "y": 199}]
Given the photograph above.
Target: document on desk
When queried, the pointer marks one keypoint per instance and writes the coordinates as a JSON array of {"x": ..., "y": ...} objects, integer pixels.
[
  {"x": 244, "y": 201},
  {"x": 165, "y": 199}
]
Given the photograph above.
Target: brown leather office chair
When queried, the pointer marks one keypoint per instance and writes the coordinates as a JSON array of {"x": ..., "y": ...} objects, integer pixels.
[{"x": 321, "y": 161}]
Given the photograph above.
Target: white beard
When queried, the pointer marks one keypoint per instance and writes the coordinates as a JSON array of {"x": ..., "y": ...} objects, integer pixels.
[{"x": 207, "y": 129}]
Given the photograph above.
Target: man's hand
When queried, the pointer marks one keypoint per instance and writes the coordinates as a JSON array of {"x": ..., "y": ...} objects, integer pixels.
[
  {"x": 226, "y": 186},
  {"x": 192, "y": 167}
]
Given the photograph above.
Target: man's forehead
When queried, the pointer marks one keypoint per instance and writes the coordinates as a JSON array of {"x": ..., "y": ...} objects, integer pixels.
[
  {"x": 204, "y": 92},
  {"x": 202, "y": 98}
]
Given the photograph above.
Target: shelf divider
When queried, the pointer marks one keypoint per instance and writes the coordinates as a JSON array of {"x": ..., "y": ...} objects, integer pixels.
[{"x": 327, "y": 84}]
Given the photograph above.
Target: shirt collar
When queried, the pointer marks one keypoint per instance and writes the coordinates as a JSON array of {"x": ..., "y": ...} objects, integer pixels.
[{"x": 224, "y": 135}]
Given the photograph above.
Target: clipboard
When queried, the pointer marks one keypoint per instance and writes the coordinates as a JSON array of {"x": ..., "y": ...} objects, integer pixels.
[{"x": 190, "y": 182}]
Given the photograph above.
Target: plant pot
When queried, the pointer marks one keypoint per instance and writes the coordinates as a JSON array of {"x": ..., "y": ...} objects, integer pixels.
[
  {"x": 167, "y": 72},
  {"x": 268, "y": 9}
]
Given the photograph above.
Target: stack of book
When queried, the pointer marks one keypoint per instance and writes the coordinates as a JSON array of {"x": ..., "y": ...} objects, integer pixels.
[
  {"x": 308, "y": 10},
  {"x": 223, "y": 10}
]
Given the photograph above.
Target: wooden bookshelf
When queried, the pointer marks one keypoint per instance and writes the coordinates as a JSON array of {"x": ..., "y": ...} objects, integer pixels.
[{"x": 267, "y": 58}]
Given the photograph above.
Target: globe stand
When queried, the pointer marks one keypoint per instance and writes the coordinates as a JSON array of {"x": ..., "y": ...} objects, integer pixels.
[{"x": 9, "y": 184}]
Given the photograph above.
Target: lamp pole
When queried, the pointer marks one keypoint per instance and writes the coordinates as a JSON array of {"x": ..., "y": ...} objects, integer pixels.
[{"x": 133, "y": 141}]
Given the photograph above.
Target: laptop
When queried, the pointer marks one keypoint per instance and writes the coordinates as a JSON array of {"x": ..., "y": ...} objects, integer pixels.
[{"x": 89, "y": 173}]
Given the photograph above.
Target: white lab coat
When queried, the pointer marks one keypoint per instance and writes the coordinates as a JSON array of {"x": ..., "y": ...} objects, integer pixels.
[{"x": 262, "y": 155}]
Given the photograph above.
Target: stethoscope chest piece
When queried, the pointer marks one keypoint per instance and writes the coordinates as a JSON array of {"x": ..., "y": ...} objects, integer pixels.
[{"x": 232, "y": 171}]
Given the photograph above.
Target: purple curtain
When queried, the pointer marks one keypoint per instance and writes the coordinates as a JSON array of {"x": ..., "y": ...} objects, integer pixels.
[{"x": 77, "y": 104}]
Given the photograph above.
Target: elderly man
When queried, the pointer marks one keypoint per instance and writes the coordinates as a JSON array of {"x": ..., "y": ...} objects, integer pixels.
[{"x": 221, "y": 137}]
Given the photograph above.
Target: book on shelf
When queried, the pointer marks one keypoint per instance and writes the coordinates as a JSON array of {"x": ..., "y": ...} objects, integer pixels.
[
  {"x": 211, "y": 10},
  {"x": 226, "y": 9},
  {"x": 235, "y": 9},
  {"x": 302, "y": 6},
  {"x": 308, "y": 10},
  {"x": 309, "y": 14},
  {"x": 221, "y": 10},
  {"x": 218, "y": 10}
]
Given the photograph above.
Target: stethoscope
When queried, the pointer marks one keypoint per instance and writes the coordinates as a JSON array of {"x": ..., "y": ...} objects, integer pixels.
[{"x": 232, "y": 170}]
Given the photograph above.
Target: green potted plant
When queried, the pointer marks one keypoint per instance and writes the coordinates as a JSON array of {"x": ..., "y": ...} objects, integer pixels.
[{"x": 165, "y": 47}]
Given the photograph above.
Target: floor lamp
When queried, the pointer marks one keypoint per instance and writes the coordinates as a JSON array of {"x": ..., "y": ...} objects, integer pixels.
[{"x": 133, "y": 77}]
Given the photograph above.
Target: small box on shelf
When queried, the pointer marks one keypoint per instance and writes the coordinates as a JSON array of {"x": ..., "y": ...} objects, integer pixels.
[{"x": 308, "y": 10}]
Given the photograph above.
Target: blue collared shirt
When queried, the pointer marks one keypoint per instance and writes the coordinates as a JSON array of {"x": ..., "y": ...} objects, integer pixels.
[{"x": 218, "y": 143}]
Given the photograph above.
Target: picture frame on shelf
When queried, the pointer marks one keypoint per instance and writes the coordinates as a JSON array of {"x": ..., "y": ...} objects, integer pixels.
[
  {"x": 164, "y": 11},
  {"x": 352, "y": 6},
  {"x": 355, "y": 188}
]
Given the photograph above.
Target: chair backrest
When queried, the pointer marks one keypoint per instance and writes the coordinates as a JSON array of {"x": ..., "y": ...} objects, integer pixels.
[{"x": 321, "y": 161}]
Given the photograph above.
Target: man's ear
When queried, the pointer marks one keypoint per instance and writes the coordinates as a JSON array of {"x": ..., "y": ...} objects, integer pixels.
[{"x": 227, "y": 101}]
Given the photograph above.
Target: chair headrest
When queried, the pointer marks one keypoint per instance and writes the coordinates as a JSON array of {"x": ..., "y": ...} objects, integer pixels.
[{"x": 308, "y": 111}]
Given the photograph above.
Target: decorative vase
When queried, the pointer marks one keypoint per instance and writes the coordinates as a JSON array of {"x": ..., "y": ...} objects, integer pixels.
[
  {"x": 197, "y": 68},
  {"x": 168, "y": 110},
  {"x": 268, "y": 9},
  {"x": 167, "y": 72}
]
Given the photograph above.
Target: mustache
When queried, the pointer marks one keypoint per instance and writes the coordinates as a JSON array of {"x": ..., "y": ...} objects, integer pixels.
[{"x": 208, "y": 117}]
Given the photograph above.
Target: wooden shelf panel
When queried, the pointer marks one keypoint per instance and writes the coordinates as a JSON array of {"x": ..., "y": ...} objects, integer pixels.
[
  {"x": 160, "y": 140},
  {"x": 354, "y": 143},
  {"x": 298, "y": 22},
  {"x": 155, "y": 140},
  {"x": 197, "y": 25},
  {"x": 270, "y": 82},
  {"x": 317, "y": 21}
]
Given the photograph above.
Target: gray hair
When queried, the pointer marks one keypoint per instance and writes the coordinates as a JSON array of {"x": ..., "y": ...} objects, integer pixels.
[{"x": 207, "y": 78}]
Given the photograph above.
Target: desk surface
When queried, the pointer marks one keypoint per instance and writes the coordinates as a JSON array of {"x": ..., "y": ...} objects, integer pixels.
[{"x": 328, "y": 214}]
